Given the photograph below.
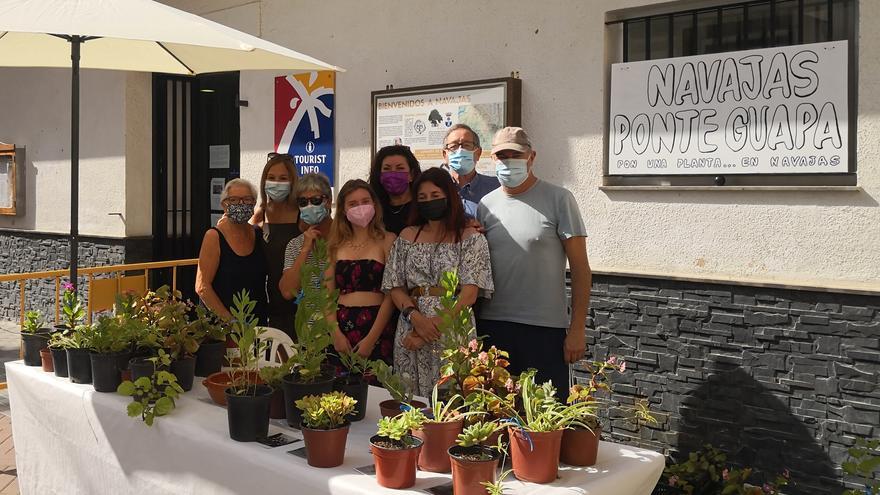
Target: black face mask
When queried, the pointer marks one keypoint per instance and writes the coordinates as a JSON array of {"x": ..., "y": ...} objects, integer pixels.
[{"x": 432, "y": 210}]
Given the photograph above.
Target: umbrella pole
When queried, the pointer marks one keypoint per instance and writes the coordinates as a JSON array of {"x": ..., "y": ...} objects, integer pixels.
[{"x": 75, "y": 42}]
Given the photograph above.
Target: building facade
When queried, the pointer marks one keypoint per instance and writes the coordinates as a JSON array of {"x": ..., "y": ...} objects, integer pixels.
[{"x": 748, "y": 313}]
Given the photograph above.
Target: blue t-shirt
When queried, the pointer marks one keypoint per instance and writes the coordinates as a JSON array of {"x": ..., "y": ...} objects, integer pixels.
[
  {"x": 525, "y": 234},
  {"x": 472, "y": 192}
]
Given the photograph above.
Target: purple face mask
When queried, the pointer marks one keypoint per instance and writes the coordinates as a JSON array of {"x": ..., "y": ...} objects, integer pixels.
[{"x": 395, "y": 183}]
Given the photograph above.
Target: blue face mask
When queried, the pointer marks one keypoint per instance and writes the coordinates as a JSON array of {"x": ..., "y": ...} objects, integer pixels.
[
  {"x": 461, "y": 161},
  {"x": 312, "y": 214},
  {"x": 277, "y": 191},
  {"x": 512, "y": 172}
]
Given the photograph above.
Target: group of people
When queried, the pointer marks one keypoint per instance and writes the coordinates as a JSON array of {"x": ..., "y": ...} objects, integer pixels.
[{"x": 508, "y": 237}]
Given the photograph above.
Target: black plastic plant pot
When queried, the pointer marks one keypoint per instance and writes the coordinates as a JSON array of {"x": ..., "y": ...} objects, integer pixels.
[
  {"x": 209, "y": 358},
  {"x": 60, "y": 328},
  {"x": 295, "y": 390},
  {"x": 141, "y": 367},
  {"x": 59, "y": 361},
  {"x": 79, "y": 366},
  {"x": 248, "y": 414},
  {"x": 357, "y": 388},
  {"x": 184, "y": 369},
  {"x": 32, "y": 343},
  {"x": 106, "y": 375}
]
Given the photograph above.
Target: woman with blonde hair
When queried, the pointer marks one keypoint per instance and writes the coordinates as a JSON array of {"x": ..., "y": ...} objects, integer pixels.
[
  {"x": 278, "y": 217},
  {"x": 359, "y": 247}
]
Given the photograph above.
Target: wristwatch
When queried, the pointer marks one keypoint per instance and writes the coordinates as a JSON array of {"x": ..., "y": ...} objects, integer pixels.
[{"x": 407, "y": 313}]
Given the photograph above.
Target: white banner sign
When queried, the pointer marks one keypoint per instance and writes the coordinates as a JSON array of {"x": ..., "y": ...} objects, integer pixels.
[{"x": 768, "y": 111}]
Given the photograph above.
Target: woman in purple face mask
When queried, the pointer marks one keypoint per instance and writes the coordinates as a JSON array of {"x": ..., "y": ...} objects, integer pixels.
[{"x": 392, "y": 172}]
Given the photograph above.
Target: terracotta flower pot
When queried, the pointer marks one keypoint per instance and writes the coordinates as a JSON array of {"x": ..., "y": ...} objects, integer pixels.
[
  {"x": 46, "y": 359},
  {"x": 537, "y": 460},
  {"x": 325, "y": 448},
  {"x": 395, "y": 468},
  {"x": 469, "y": 470},
  {"x": 580, "y": 446},
  {"x": 391, "y": 408},
  {"x": 437, "y": 438},
  {"x": 217, "y": 384}
]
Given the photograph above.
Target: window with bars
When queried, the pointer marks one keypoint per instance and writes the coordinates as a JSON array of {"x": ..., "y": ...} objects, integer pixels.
[{"x": 740, "y": 26}]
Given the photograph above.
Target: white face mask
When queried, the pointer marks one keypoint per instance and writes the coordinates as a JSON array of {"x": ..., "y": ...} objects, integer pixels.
[
  {"x": 512, "y": 172},
  {"x": 277, "y": 191}
]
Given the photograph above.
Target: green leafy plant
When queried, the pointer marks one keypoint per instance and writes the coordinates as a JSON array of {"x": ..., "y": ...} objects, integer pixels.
[
  {"x": 72, "y": 310},
  {"x": 207, "y": 326},
  {"x": 397, "y": 385},
  {"x": 497, "y": 487},
  {"x": 78, "y": 338},
  {"x": 398, "y": 429},
  {"x": 152, "y": 396},
  {"x": 355, "y": 364},
  {"x": 313, "y": 330},
  {"x": 864, "y": 461},
  {"x": 273, "y": 375},
  {"x": 446, "y": 411},
  {"x": 592, "y": 395},
  {"x": 477, "y": 433},
  {"x": 33, "y": 321},
  {"x": 246, "y": 335},
  {"x": 456, "y": 336},
  {"x": 114, "y": 334},
  {"x": 181, "y": 341},
  {"x": 326, "y": 411},
  {"x": 706, "y": 472}
]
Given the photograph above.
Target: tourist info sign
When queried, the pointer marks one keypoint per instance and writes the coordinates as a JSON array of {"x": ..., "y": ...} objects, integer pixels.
[{"x": 768, "y": 111}]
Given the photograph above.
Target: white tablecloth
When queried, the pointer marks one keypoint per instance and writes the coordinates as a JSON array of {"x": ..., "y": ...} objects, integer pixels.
[{"x": 70, "y": 439}]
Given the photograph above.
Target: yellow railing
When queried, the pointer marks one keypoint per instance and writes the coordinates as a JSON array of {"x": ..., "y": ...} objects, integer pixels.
[{"x": 120, "y": 281}]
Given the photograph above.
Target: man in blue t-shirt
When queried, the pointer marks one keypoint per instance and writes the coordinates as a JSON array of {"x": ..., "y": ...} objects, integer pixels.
[
  {"x": 461, "y": 152},
  {"x": 534, "y": 228}
]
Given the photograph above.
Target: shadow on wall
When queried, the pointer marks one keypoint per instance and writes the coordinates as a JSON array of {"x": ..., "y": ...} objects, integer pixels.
[{"x": 735, "y": 413}]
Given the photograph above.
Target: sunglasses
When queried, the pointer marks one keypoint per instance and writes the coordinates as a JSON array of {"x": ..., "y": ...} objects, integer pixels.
[
  {"x": 272, "y": 155},
  {"x": 316, "y": 201}
]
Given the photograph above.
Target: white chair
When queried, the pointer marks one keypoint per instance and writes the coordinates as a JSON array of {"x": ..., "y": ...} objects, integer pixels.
[{"x": 278, "y": 341}]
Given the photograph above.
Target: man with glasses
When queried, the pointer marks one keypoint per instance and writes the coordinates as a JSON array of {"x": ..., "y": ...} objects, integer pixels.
[
  {"x": 461, "y": 152},
  {"x": 533, "y": 228}
]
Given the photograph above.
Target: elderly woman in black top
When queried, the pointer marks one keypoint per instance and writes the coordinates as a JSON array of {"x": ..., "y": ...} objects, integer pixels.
[{"x": 231, "y": 258}]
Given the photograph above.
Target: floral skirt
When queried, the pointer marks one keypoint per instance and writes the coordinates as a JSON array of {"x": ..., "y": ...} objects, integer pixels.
[{"x": 355, "y": 323}]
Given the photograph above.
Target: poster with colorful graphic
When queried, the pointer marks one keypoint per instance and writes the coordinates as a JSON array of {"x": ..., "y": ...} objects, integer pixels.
[{"x": 304, "y": 121}]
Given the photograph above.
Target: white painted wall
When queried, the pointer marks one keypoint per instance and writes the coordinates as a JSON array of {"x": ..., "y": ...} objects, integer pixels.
[
  {"x": 35, "y": 107},
  {"x": 559, "y": 49}
]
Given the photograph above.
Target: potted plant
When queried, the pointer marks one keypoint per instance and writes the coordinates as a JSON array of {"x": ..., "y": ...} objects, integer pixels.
[
  {"x": 33, "y": 337},
  {"x": 325, "y": 427},
  {"x": 395, "y": 450},
  {"x": 247, "y": 401},
  {"x": 59, "y": 353},
  {"x": 313, "y": 333},
  {"x": 152, "y": 396},
  {"x": 439, "y": 431},
  {"x": 274, "y": 377},
  {"x": 536, "y": 438},
  {"x": 73, "y": 312},
  {"x": 213, "y": 332},
  {"x": 110, "y": 343},
  {"x": 148, "y": 366},
  {"x": 397, "y": 386},
  {"x": 76, "y": 343},
  {"x": 353, "y": 381},
  {"x": 473, "y": 463}
]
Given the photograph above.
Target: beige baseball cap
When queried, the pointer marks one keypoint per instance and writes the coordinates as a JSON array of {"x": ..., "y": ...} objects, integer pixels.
[{"x": 511, "y": 138}]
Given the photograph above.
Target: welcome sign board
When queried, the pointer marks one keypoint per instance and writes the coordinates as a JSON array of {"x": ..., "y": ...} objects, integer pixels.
[{"x": 768, "y": 111}]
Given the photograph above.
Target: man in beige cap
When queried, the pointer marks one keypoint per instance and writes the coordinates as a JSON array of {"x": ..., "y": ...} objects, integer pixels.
[{"x": 533, "y": 228}]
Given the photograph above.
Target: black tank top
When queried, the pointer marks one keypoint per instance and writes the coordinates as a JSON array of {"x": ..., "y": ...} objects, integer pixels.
[
  {"x": 275, "y": 238},
  {"x": 242, "y": 272}
]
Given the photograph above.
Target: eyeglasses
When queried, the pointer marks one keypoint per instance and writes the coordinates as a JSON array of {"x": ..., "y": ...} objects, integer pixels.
[
  {"x": 316, "y": 201},
  {"x": 272, "y": 155},
  {"x": 468, "y": 145},
  {"x": 245, "y": 200}
]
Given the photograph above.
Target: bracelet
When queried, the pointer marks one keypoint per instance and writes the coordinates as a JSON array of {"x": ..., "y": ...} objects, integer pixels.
[{"x": 407, "y": 313}]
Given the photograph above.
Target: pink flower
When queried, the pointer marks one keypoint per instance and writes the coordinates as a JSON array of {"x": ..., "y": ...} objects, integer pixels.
[
  {"x": 474, "y": 345},
  {"x": 673, "y": 480},
  {"x": 483, "y": 357},
  {"x": 67, "y": 286},
  {"x": 622, "y": 366},
  {"x": 725, "y": 474},
  {"x": 509, "y": 384},
  {"x": 612, "y": 360},
  {"x": 767, "y": 488}
]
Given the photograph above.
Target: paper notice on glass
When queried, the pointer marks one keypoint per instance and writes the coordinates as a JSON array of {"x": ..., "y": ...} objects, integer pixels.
[
  {"x": 218, "y": 156},
  {"x": 5, "y": 178},
  {"x": 217, "y": 184}
]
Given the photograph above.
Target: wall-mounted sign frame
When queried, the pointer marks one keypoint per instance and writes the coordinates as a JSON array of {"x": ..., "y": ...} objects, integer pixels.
[
  {"x": 419, "y": 117},
  {"x": 9, "y": 180},
  {"x": 770, "y": 116}
]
